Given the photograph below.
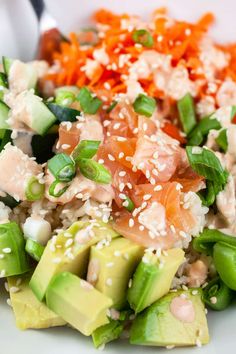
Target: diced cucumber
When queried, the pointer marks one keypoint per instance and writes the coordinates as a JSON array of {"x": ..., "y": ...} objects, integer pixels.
[
  {"x": 63, "y": 114},
  {"x": 7, "y": 62},
  {"x": 4, "y": 110},
  {"x": 40, "y": 118}
]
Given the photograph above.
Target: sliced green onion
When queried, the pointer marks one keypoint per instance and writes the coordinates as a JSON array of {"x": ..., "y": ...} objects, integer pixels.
[
  {"x": 217, "y": 295},
  {"x": 94, "y": 171},
  {"x": 143, "y": 37},
  {"x": 34, "y": 190},
  {"x": 62, "y": 167},
  {"x": 206, "y": 240},
  {"x": 52, "y": 189},
  {"x": 224, "y": 257},
  {"x": 89, "y": 104},
  {"x": 65, "y": 98},
  {"x": 128, "y": 204},
  {"x": 144, "y": 105},
  {"x": 206, "y": 164},
  {"x": 198, "y": 135},
  {"x": 187, "y": 113},
  {"x": 85, "y": 149},
  {"x": 111, "y": 107},
  {"x": 34, "y": 249},
  {"x": 222, "y": 140}
]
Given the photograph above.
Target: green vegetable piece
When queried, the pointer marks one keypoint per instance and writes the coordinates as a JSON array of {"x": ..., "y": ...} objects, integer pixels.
[
  {"x": 206, "y": 240},
  {"x": 5, "y": 139},
  {"x": 7, "y": 62},
  {"x": 53, "y": 190},
  {"x": 206, "y": 164},
  {"x": 222, "y": 140},
  {"x": 144, "y": 105},
  {"x": 63, "y": 114},
  {"x": 128, "y": 204},
  {"x": 9, "y": 201},
  {"x": 3, "y": 85},
  {"x": 217, "y": 295},
  {"x": 112, "y": 106},
  {"x": 34, "y": 249},
  {"x": 187, "y": 113},
  {"x": 153, "y": 277},
  {"x": 107, "y": 333},
  {"x": 94, "y": 171},
  {"x": 89, "y": 104},
  {"x": 85, "y": 149},
  {"x": 77, "y": 302},
  {"x": 13, "y": 260},
  {"x": 62, "y": 167},
  {"x": 158, "y": 325},
  {"x": 198, "y": 135},
  {"x": 224, "y": 257},
  {"x": 34, "y": 190},
  {"x": 208, "y": 195},
  {"x": 143, "y": 37},
  {"x": 4, "y": 111}
]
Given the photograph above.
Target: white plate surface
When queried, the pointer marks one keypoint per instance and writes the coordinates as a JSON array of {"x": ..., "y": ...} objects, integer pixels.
[{"x": 70, "y": 14}]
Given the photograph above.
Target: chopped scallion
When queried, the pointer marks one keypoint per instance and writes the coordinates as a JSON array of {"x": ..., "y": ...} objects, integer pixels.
[
  {"x": 201, "y": 130},
  {"x": 144, "y": 105},
  {"x": 33, "y": 189},
  {"x": 34, "y": 249},
  {"x": 85, "y": 149},
  {"x": 52, "y": 189},
  {"x": 94, "y": 171},
  {"x": 65, "y": 98},
  {"x": 143, "y": 37},
  {"x": 187, "y": 113},
  {"x": 62, "y": 167},
  {"x": 89, "y": 104},
  {"x": 128, "y": 204}
]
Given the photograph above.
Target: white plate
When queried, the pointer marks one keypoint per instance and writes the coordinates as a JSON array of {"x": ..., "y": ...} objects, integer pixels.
[{"x": 70, "y": 14}]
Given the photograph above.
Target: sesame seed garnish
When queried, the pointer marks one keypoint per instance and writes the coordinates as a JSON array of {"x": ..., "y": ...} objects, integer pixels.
[
  {"x": 130, "y": 283},
  {"x": 126, "y": 256},
  {"x": 122, "y": 196},
  {"x": 152, "y": 181},
  {"x": 1, "y": 256},
  {"x": 188, "y": 32},
  {"x": 9, "y": 302},
  {"x": 109, "y": 282},
  {"x": 129, "y": 185},
  {"x": 56, "y": 260},
  {"x": 107, "y": 85},
  {"x": 101, "y": 161},
  {"x": 183, "y": 234},
  {"x": 122, "y": 173},
  {"x": 121, "y": 155},
  {"x": 65, "y": 146},
  {"x": 111, "y": 157},
  {"x": 147, "y": 196},
  {"x": 131, "y": 222},
  {"x": 141, "y": 228},
  {"x": 14, "y": 289},
  {"x": 170, "y": 347},
  {"x": 213, "y": 300},
  {"x": 116, "y": 126},
  {"x": 157, "y": 188},
  {"x": 121, "y": 187},
  {"x": 172, "y": 229},
  {"x": 194, "y": 292},
  {"x": 6, "y": 250},
  {"x": 179, "y": 186},
  {"x": 117, "y": 253},
  {"x": 6, "y": 286},
  {"x": 198, "y": 343},
  {"x": 121, "y": 138},
  {"x": 110, "y": 264},
  {"x": 106, "y": 123}
]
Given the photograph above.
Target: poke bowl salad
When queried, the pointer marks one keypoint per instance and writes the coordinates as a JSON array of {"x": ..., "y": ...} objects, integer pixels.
[{"x": 117, "y": 182}]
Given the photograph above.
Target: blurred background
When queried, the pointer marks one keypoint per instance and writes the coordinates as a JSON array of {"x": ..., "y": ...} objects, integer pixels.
[{"x": 22, "y": 21}]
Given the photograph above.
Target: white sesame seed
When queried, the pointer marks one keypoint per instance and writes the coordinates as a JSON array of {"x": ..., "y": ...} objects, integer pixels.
[
  {"x": 147, "y": 196},
  {"x": 111, "y": 157},
  {"x": 130, "y": 283},
  {"x": 188, "y": 31},
  {"x": 141, "y": 228},
  {"x": 69, "y": 242},
  {"x": 14, "y": 289},
  {"x": 121, "y": 138},
  {"x": 65, "y": 146},
  {"x": 9, "y": 302},
  {"x": 121, "y": 187},
  {"x": 121, "y": 155},
  {"x": 131, "y": 222},
  {"x": 183, "y": 234},
  {"x": 116, "y": 126},
  {"x": 122, "y": 173},
  {"x": 129, "y": 185},
  {"x": 101, "y": 161},
  {"x": 106, "y": 123},
  {"x": 158, "y": 188},
  {"x": 198, "y": 343},
  {"x": 122, "y": 196},
  {"x": 172, "y": 229},
  {"x": 56, "y": 260},
  {"x": 1, "y": 256},
  {"x": 110, "y": 264},
  {"x": 109, "y": 282},
  {"x": 126, "y": 256},
  {"x": 107, "y": 85},
  {"x": 117, "y": 253},
  {"x": 6, "y": 250},
  {"x": 213, "y": 300},
  {"x": 179, "y": 186},
  {"x": 194, "y": 292}
]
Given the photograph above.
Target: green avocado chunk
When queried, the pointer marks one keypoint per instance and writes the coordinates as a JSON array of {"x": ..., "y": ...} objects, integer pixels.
[
  {"x": 153, "y": 278},
  {"x": 176, "y": 319},
  {"x": 78, "y": 302},
  {"x": 28, "y": 310},
  {"x": 13, "y": 258},
  {"x": 69, "y": 251},
  {"x": 112, "y": 266},
  {"x": 107, "y": 333}
]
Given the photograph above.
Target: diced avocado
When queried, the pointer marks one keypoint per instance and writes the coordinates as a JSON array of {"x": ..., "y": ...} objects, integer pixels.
[
  {"x": 13, "y": 259},
  {"x": 69, "y": 251},
  {"x": 111, "y": 267},
  {"x": 107, "y": 333},
  {"x": 176, "y": 319},
  {"x": 78, "y": 302},
  {"x": 4, "y": 110},
  {"x": 153, "y": 278},
  {"x": 28, "y": 311}
]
